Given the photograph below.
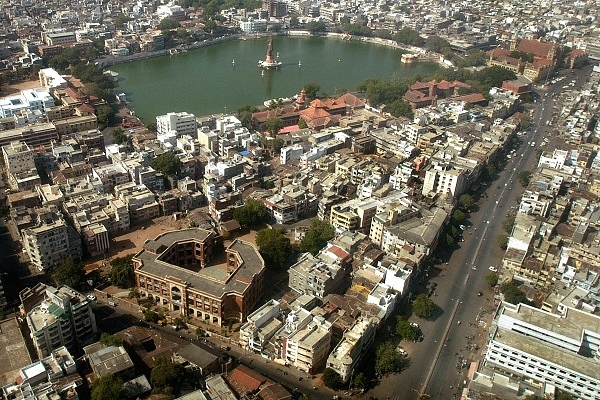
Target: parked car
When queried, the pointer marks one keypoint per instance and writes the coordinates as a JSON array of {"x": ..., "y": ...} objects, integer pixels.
[{"x": 493, "y": 269}]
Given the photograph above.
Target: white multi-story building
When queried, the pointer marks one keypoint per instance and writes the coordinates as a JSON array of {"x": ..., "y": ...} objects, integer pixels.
[
  {"x": 349, "y": 352},
  {"x": 18, "y": 157},
  {"x": 444, "y": 179},
  {"x": 545, "y": 348},
  {"x": 253, "y": 25},
  {"x": 291, "y": 153},
  {"x": 64, "y": 317},
  {"x": 37, "y": 99},
  {"x": 305, "y": 342},
  {"x": 182, "y": 123},
  {"x": 260, "y": 327},
  {"x": 51, "y": 240}
]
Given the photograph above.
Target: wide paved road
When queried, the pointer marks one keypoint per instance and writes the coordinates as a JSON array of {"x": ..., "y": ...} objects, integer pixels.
[{"x": 434, "y": 361}]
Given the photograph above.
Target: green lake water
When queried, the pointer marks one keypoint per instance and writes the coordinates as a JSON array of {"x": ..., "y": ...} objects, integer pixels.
[{"x": 224, "y": 77}]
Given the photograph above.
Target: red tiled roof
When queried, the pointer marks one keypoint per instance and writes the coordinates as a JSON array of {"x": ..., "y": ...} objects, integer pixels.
[
  {"x": 540, "y": 49},
  {"x": 338, "y": 252},
  {"x": 244, "y": 378},
  {"x": 415, "y": 96}
]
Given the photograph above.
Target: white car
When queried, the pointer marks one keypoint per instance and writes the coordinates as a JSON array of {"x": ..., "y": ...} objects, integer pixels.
[
  {"x": 493, "y": 269},
  {"x": 91, "y": 297}
]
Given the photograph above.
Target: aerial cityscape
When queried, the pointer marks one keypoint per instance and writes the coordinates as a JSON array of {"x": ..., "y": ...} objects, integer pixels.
[{"x": 423, "y": 236}]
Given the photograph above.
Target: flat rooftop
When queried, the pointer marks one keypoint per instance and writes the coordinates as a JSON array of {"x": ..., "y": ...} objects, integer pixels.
[
  {"x": 13, "y": 351},
  {"x": 554, "y": 354}
]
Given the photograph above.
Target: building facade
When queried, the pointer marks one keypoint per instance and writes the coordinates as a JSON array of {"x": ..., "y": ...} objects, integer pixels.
[
  {"x": 175, "y": 271},
  {"x": 64, "y": 317}
]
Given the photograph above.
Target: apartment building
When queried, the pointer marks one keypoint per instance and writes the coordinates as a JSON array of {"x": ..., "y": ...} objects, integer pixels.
[
  {"x": 181, "y": 123},
  {"x": 444, "y": 179},
  {"x": 547, "y": 349},
  {"x": 350, "y": 351},
  {"x": 111, "y": 175},
  {"x": 260, "y": 326},
  {"x": 63, "y": 317},
  {"x": 18, "y": 157},
  {"x": 319, "y": 275},
  {"x": 174, "y": 270},
  {"x": 52, "y": 377},
  {"x": 305, "y": 345},
  {"x": 354, "y": 215},
  {"x": 141, "y": 201},
  {"x": 51, "y": 240}
]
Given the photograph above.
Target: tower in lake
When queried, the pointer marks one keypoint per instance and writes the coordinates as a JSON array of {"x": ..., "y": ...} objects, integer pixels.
[{"x": 269, "y": 61}]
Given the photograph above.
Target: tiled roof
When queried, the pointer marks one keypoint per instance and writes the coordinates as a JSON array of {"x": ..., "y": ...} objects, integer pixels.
[
  {"x": 540, "y": 49},
  {"x": 244, "y": 380}
]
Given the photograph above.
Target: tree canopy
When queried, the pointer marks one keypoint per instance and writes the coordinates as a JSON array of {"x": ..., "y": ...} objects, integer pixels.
[
  {"x": 423, "y": 306},
  {"x": 491, "y": 279},
  {"x": 524, "y": 178},
  {"x": 274, "y": 247},
  {"x": 274, "y": 125},
  {"x": 168, "y": 23},
  {"x": 408, "y": 36},
  {"x": 167, "y": 163},
  {"x": 110, "y": 340},
  {"x": 315, "y": 27},
  {"x": 121, "y": 272},
  {"x": 386, "y": 358},
  {"x": 107, "y": 387},
  {"x": 167, "y": 376},
  {"x": 466, "y": 202},
  {"x": 68, "y": 272},
  {"x": 317, "y": 236},
  {"x": 331, "y": 379},
  {"x": 405, "y": 330},
  {"x": 512, "y": 293},
  {"x": 119, "y": 136},
  {"x": 252, "y": 214},
  {"x": 311, "y": 90}
]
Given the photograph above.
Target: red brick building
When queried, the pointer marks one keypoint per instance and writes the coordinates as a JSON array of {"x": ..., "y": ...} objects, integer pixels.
[{"x": 175, "y": 271}]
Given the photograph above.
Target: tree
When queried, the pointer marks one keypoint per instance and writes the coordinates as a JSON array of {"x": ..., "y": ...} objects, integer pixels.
[
  {"x": 331, "y": 379},
  {"x": 317, "y": 236},
  {"x": 244, "y": 114},
  {"x": 508, "y": 223},
  {"x": 119, "y": 136},
  {"x": 274, "y": 125},
  {"x": 466, "y": 202},
  {"x": 405, "y": 330},
  {"x": 274, "y": 247},
  {"x": 512, "y": 293},
  {"x": 294, "y": 21},
  {"x": 423, "y": 306},
  {"x": 121, "y": 272},
  {"x": 311, "y": 90},
  {"x": 110, "y": 340},
  {"x": 502, "y": 241},
  {"x": 524, "y": 178},
  {"x": 105, "y": 114},
  {"x": 360, "y": 382},
  {"x": 315, "y": 27},
  {"x": 68, "y": 272},
  {"x": 458, "y": 216},
  {"x": 151, "y": 126},
  {"x": 386, "y": 358},
  {"x": 168, "y": 23},
  {"x": 491, "y": 279},
  {"x": 167, "y": 163},
  {"x": 408, "y": 36},
  {"x": 450, "y": 242},
  {"x": 277, "y": 144},
  {"x": 167, "y": 376},
  {"x": 107, "y": 387},
  {"x": 151, "y": 316},
  {"x": 400, "y": 108},
  {"x": 253, "y": 213}
]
